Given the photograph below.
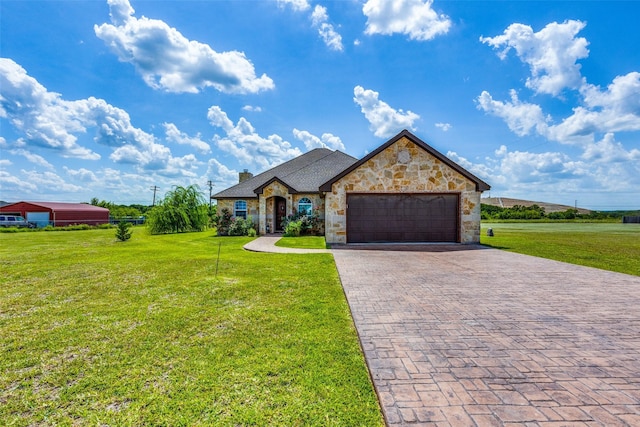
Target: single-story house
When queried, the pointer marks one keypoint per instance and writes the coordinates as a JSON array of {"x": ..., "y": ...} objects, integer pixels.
[
  {"x": 404, "y": 191},
  {"x": 58, "y": 214}
]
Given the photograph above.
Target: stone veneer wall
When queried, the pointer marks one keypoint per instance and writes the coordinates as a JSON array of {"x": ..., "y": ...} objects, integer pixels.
[
  {"x": 252, "y": 208},
  {"x": 393, "y": 171},
  {"x": 318, "y": 205}
]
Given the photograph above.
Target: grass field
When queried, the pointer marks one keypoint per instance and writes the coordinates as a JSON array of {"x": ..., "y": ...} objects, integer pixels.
[
  {"x": 99, "y": 332},
  {"x": 302, "y": 242},
  {"x": 608, "y": 246}
]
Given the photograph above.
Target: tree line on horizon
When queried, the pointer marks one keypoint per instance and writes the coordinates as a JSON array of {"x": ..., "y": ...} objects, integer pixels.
[{"x": 534, "y": 212}]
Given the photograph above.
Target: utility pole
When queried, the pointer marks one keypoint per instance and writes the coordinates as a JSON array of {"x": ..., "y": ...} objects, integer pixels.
[
  {"x": 210, "y": 184},
  {"x": 154, "y": 188}
]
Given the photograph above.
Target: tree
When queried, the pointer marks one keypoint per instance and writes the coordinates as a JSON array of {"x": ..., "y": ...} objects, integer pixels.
[
  {"x": 122, "y": 232},
  {"x": 181, "y": 210}
]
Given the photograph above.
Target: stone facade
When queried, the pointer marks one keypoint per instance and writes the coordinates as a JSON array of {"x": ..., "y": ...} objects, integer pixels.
[
  {"x": 252, "y": 208},
  {"x": 276, "y": 189},
  {"x": 403, "y": 167}
]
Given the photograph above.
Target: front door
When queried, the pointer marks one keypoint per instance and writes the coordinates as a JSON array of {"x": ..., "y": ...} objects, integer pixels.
[{"x": 280, "y": 212}]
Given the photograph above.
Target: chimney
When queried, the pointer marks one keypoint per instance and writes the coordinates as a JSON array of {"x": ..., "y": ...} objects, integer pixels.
[{"x": 245, "y": 175}]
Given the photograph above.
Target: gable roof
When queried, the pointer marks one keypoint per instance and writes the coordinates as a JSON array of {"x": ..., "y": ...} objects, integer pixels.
[
  {"x": 480, "y": 184},
  {"x": 303, "y": 174}
]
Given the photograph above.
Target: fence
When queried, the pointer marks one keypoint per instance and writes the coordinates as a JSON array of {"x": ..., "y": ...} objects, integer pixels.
[{"x": 631, "y": 219}]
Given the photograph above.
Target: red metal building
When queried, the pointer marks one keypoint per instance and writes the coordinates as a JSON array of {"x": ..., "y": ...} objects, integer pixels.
[{"x": 58, "y": 214}]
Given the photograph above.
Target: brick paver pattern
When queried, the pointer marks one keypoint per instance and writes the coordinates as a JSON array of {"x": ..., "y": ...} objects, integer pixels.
[{"x": 483, "y": 337}]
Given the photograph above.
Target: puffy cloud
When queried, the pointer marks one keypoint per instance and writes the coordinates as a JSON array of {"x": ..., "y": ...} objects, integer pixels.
[
  {"x": 327, "y": 33},
  {"x": 244, "y": 143},
  {"x": 220, "y": 174},
  {"x": 521, "y": 117},
  {"x": 297, "y": 5},
  {"x": 608, "y": 150},
  {"x": 169, "y": 61},
  {"x": 444, "y": 127},
  {"x": 326, "y": 141},
  {"x": 156, "y": 158},
  {"x": 621, "y": 96},
  {"x": 82, "y": 174},
  {"x": 31, "y": 157},
  {"x": 44, "y": 181},
  {"x": 550, "y": 53},
  {"x": 174, "y": 135},
  {"x": 415, "y": 18},
  {"x": 120, "y": 11},
  {"x": 384, "y": 120},
  {"x": 10, "y": 183},
  {"x": 255, "y": 109},
  {"x": 49, "y": 121},
  {"x": 604, "y": 166}
]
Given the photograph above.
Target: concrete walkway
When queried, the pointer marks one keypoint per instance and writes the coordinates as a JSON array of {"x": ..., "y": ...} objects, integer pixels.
[
  {"x": 268, "y": 244},
  {"x": 482, "y": 337}
]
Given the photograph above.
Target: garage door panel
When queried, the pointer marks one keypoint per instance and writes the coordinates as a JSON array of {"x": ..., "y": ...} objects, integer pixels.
[{"x": 402, "y": 218}]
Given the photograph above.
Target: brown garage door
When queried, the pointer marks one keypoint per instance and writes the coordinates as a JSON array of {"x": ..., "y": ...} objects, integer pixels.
[{"x": 402, "y": 218}]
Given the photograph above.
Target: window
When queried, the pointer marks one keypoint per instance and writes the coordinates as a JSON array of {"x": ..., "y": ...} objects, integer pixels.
[
  {"x": 305, "y": 207},
  {"x": 240, "y": 209}
]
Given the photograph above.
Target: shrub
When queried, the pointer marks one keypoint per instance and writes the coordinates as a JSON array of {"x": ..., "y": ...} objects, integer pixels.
[
  {"x": 122, "y": 232},
  {"x": 240, "y": 226},
  {"x": 293, "y": 228},
  {"x": 309, "y": 225},
  {"x": 252, "y": 232},
  {"x": 223, "y": 221}
]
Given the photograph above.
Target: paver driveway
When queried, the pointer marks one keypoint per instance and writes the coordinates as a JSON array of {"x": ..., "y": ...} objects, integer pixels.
[{"x": 482, "y": 337}]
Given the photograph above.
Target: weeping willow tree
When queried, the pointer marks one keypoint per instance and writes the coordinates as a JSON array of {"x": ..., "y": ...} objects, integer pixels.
[{"x": 182, "y": 210}]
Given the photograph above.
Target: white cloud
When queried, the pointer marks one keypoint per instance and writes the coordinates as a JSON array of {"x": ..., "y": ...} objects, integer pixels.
[
  {"x": 49, "y": 121},
  {"x": 156, "y": 158},
  {"x": 604, "y": 166},
  {"x": 327, "y": 33},
  {"x": 550, "y": 53},
  {"x": 220, "y": 174},
  {"x": 385, "y": 121},
  {"x": 31, "y": 157},
  {"x": 45, "y": 181},
  {"x": 608, "y": 150},
  {"x": 415, "y": 18},
  {"x": 82, "y": 174},
  {"x": 174, "y": 135},
  {"x": 444, "y": 127},
  {"x": 12, "y": 184},
  {"x": 246, "y": 145},
  {"x": 297, "y": 5},
  {"x": 169, "y": 61},
  {"x": 326, "y": 141},
  {"x": 521, "y": 117},
  {"x": 252, "y": 108}
]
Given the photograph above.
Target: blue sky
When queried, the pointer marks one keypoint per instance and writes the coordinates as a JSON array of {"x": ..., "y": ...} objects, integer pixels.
[{"x": 107, "y": 99}]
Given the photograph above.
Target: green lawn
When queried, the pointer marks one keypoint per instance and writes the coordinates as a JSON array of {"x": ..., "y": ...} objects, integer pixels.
[
  {"x": 99, "y": 332},
  {"x": 608, "y": 246},
  {"x": 303, "y": 242}
]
